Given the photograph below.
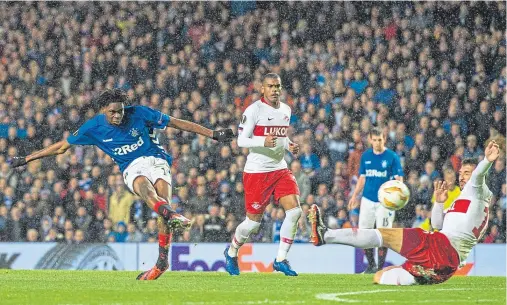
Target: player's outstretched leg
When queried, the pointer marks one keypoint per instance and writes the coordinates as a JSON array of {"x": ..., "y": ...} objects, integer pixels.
[
  {"x": 359, "y": 238},
  {"x": 164, "y": 243},
  {"x": 318, "y": 227}
]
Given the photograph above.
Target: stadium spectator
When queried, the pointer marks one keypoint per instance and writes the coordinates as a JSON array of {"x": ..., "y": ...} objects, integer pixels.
[
  {"x": 215, "y": 226},
  {"x": 134, "y": 236},
  {"x": 302, "y": 180},
  {"x": 119, "y": 204}
]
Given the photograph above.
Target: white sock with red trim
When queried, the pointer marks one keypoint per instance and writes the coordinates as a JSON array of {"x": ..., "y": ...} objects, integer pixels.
[
  {"x": 241, "y": 235},
  {"x": 287, "y": 232},
  {"x": 359, "y": 238}
]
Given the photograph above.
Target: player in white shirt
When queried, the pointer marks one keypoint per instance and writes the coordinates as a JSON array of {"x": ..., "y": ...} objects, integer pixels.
[
  {"x": 263, "y": 129},
  {"x": 432, "y": 257}
]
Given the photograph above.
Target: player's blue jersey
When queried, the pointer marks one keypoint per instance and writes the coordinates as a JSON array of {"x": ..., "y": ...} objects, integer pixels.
[
  {"x": 378, "y": 169},
  {"x": 133, "y": 138}
]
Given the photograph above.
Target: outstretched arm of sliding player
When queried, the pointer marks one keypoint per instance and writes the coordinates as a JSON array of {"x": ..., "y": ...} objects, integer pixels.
[
  {"x": 437, "y": 215},
  {"x": 478, "y": 177},
  {"x": 246, "y": 129},
  {"x": 492, "y": 152},
  {"x": 437, "y": 212}
]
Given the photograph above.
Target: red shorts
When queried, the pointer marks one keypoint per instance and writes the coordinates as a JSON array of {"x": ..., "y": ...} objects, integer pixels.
[
  {"x": 430, "y": 257},
  {"x": 260, "y": 186}
]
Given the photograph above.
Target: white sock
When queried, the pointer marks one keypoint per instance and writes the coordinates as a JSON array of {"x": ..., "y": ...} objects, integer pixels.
[
  {"x": 359, "y": 238},
  {"x": 287, "y": 232},
  {"x": 241, "y": 235}
]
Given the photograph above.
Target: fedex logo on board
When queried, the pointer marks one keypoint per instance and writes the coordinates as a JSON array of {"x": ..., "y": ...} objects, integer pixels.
[{"x": 179, "y": 261}]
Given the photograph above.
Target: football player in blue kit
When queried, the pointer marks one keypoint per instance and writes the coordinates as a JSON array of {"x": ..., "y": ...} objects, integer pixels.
[
  {"x": 378, "y": 165},
  {"x": 127, "y": 135}
]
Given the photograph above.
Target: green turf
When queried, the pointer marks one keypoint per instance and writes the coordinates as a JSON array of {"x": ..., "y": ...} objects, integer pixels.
[{"x": 207, "y": 288}]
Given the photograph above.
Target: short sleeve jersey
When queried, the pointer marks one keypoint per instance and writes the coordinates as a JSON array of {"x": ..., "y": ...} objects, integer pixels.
[{"x": 378, "y": 169}]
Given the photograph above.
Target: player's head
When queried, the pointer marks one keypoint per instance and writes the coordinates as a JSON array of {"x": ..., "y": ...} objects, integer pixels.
[
  {"x": 465, "y": 172},
  {"x": 271, "y": 87},
  {"x": 376, "y": 138},
  {"x": 112, "y": 103}
]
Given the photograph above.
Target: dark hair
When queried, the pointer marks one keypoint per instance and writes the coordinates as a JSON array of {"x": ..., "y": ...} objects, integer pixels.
[
  {"x": 270, "y": 76},
  {"x": 376, "y": 131},
  {"x": 110, "y": 96},
  {"x": 470, "y": 161}
]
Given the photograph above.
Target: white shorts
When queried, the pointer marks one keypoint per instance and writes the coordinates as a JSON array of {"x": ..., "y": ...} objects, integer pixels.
[
  {"x": 397, "y": 276},
  {"x": 373, "y": 213},
  {"x": 151, "y": 167}
]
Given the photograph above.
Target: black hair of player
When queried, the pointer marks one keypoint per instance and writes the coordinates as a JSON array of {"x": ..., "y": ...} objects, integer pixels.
[
  {"x": 376, "y": 131},
  {"x": 470, "y": 161},
  {"x": 111, "y": 96},
  {"x": 270, "y": 76}
]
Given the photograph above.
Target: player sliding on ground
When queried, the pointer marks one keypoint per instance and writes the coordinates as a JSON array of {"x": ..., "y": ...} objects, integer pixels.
[
  {"x": 432, "y": 257},
  {"x": 263, "y": 129},
  {"x": 127, "y": 135}
]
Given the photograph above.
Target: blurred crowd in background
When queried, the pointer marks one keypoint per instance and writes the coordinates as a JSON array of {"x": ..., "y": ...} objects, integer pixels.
[{"x": 431, "y": 74}]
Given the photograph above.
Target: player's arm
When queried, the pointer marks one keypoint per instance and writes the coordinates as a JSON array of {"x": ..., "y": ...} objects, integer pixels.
[
  {"x": 362, "y": 177},
  {"x": 437, "y": 212},
  {"x": 246, "y": 128},
  {"x": 437, "y": 215},
  {"x": 54, "y": 149},
  {"x": 397, "y": 169},
  {"x": 354, "y": 202},
  {"x": 360, "y": 185},
  {"x": 80, "y": 137},
  {"x": 157, "y": 119},
  {"x": 219, "y": 135},
  {"x": 292, "y": 147},
  {"x": 491, "y": 153}
]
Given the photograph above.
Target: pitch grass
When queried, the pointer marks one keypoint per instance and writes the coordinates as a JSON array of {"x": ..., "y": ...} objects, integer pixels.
[{"x": 214, "y": 288}]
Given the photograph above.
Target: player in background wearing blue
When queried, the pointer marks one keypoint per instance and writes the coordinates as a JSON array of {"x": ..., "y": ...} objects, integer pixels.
[
  {"x": 127, "y": 135},
  {"x": 378, "y": 165}
]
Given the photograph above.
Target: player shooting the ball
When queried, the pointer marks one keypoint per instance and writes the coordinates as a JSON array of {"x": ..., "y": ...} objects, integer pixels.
[
  {"x": 127, "y": 135},
  {"x": 432, "y": 257}
]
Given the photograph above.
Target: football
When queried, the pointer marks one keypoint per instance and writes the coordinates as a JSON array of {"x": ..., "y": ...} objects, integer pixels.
[{"x": 393, "y": 195}]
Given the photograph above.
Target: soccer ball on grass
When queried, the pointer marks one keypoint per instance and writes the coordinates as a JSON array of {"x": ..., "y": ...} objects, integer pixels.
[{"x": 393, "y": 195}]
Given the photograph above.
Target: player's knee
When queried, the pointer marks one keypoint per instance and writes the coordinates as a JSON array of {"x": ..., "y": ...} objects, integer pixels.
[
  {"x": 294, "y": 214},
  {"x": 250, "y": 225}
]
